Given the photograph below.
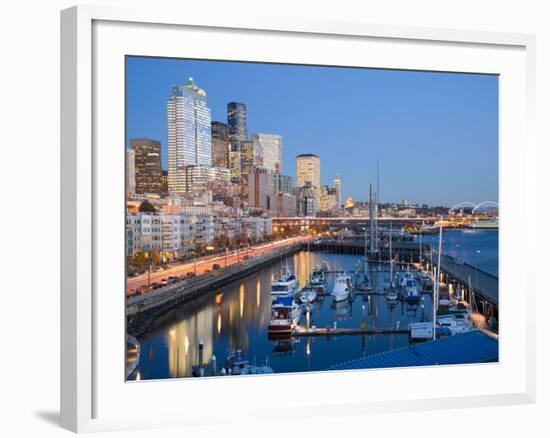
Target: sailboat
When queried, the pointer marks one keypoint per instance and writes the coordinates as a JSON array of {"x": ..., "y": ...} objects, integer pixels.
[
  {"x": 391, "y": 292},
  {"x": 362, "y": 280}
]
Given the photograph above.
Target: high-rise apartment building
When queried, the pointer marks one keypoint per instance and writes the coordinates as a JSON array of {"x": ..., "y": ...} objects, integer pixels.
[
  {"x": 270, "y": 146},
  {"x": 238, "y": 133},
  {"x": 148, "y": 168},
  {"x": 308, "y": 170},
  {"x": 260, "y": 187},
  {"x": 282, "y": 183},
  {"x": 189, "y": 133},
  {"x": 220, "y": 144}
]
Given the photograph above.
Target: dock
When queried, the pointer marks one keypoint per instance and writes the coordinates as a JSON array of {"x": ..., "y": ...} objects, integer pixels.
[
  {"x": 456, "y": 272},
  {"x": 343, "y": 331}
]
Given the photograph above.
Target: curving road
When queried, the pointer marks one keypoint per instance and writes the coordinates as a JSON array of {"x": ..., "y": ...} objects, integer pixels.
[{"x": 204, "y": 263}]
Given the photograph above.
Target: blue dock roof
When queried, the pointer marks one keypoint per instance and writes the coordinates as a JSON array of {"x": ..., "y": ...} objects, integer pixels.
[{"x": 471, "y": 347}]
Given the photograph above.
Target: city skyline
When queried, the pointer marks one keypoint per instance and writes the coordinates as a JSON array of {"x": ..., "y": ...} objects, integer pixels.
[{"x": 469, "y": 104}]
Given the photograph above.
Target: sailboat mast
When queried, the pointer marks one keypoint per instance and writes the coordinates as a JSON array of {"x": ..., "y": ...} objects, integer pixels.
[
  {"x": 436, "y": 284},
  {"x": 391, "y": 257},
  {"x": 420, "y": 250}
]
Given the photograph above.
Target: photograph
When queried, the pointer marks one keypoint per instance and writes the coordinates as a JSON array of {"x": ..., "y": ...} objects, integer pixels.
[{"x": 291, "y": 218}]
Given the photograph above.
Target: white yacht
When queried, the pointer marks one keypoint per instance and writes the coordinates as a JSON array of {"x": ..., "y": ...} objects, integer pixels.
[
  {"x": 454, "y": 325},
  {"x": 342, "y": 287},
  {"x": 286, "y": 285},
  {"x": 285, "y": 315}
]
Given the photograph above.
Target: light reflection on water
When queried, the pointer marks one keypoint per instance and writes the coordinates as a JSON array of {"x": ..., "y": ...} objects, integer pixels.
[{"x": 236, "y": 317}]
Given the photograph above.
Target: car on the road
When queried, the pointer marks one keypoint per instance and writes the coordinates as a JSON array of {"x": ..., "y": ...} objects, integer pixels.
[
  {"x": 216, "y": 267},
  {"x": 190, "y": 274}
]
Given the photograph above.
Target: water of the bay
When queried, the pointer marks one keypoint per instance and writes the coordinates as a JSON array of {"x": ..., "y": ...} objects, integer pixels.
[
  {"x": 476, "y": 247},
  {"x": 237, "y": 316}
]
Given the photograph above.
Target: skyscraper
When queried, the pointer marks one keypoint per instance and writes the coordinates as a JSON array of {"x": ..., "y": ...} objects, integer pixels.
[
  {"x": 270, "y": 146},
  {"x": 220, "y": 144},
  {"x": 130, "y": 172},
  {"x": 249, "y": 159},
  {"x": 238, "y": 133},
  {"x": 337, "y": 187},
  {"x": 189, "y": 133},
  {"x": 308, "y": 170},
  {"x": 148, "y": 169}
]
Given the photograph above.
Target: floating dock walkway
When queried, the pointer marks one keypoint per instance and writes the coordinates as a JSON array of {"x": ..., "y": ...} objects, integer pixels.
[{"x": 330, "y": 331}]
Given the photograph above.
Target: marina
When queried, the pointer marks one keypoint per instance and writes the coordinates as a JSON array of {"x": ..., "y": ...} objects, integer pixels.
[{"x": 295, "y": 330}]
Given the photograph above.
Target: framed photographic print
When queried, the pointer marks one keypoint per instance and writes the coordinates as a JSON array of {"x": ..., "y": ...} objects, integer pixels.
[{"x": 263, "y": 208}]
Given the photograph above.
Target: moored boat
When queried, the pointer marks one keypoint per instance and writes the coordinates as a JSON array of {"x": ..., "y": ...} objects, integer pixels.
[
  {"x": 317, "y": 280},
  {"x": 341, "y": 287},
  {"x": 412, "y": 296},
  {"x": 285, "y": 315},
  {"x": 286, "y": 285}
]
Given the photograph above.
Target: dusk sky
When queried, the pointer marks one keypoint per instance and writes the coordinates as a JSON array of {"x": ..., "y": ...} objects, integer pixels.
[{"x": 435, "y": 135}]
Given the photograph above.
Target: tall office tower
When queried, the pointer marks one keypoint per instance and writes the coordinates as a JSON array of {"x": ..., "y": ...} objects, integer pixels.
[
  {"x": 337, "y": 186},
  {"x": 130, "y": 172},
  {"x": 220, "y": 144},
  {"x": 249, "y": 159},
  {"x": 260, "y": 187},
  {"x": 147, "y": 165},
  {"x": 308, "y": 170},
  {"x": 238, "y": 133},
  {"x": 189, "y": 133},
  {"x": 270, "y": 146}
]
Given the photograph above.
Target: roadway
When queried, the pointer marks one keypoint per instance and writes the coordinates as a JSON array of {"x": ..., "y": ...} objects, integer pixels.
[{"x": 200, "y": 265}]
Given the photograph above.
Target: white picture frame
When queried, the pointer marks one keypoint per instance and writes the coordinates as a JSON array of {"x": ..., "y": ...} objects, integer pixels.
[{"x": 88, "y": 395}]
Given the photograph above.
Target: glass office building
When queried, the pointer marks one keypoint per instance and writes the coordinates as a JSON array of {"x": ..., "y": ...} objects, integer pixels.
[
  {"x": 189, "y": 133},
  {"x": 238, "y": 133}
]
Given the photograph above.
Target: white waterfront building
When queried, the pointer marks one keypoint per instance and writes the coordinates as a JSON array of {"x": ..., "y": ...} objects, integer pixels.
[
  {"x": 189, "y": 133},
  {"x": 173, "y": 235}
]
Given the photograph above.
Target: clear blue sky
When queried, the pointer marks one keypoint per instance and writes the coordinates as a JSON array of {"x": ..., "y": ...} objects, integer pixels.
[{"x": 435, "y": 135}]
